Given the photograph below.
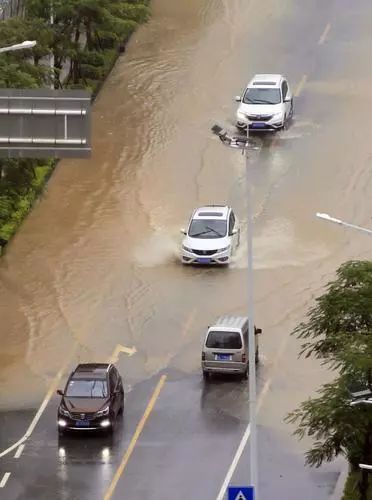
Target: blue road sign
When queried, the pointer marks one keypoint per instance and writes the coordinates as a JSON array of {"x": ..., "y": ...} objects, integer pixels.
[{"x": 241, "y": 493}]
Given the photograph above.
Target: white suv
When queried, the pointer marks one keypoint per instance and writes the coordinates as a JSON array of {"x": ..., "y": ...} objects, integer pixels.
[
  {"x": 212, "y": 236},
  {"x": 266, "y": 104}
]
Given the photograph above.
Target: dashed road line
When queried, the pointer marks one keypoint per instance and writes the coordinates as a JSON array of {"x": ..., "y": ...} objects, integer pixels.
[
  {"x": 135, "y": 437},
  {"x": 300, "y": 85},
  {"x": 19, "y": 451},
  {"x": 4, "y": 479},
  {"x": 189, "y": 323},
  {"x": 247, "y": 432},
  {"x": 324, "y": 35}
]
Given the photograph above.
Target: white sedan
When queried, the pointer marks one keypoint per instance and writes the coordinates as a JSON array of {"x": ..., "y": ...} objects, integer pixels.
[{"x": 212, "y": 236}]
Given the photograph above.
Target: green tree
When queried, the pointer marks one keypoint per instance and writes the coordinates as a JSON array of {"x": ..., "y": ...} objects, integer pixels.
[{"x": 338, "y": 331}]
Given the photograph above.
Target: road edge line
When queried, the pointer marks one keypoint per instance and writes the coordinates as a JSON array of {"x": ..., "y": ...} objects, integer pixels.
[
  {"x": 341, "y": 481},
  {"x": 37, "y": 416},
  {"x": 19, "y": 451},
  {"x": 247, "y": 432},
  {"x": 43, "y": 405},
  {"x": 4, "y": 479}
]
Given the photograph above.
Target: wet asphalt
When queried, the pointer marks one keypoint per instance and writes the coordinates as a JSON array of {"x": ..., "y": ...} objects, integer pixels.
[{"x": 95, "y": 264}]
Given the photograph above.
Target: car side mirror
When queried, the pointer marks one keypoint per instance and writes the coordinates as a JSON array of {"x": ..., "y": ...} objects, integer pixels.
[
  {"x": 183, "y": 231},
  {"x": 234, "y": 231},
  {"x": 60, "y": 392},
  {"x": 288, "y": 99},
  {"x": 238, "y": 98},
  {"x": 257, "y": 331}
]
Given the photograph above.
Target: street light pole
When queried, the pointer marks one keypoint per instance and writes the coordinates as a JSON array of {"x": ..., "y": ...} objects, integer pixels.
[
  {"x": 340, "y": 222},
  {"x": 243, "y": 143},
  {"x": 28, "y": 44},
  {"x": 251, "y": 330},
  {"x": 366, "y": 467},
  {"x": 52, "y": 53}
]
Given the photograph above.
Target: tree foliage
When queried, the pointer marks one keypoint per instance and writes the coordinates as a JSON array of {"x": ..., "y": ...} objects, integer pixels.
[
  {"x": 83, "y": 39},
  {"x": 338, "y": 330}
]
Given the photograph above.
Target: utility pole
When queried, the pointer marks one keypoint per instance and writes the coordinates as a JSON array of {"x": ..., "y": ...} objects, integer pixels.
[
  {"x": 243, "y": 144},
  {"x": 52, "y": 53}
]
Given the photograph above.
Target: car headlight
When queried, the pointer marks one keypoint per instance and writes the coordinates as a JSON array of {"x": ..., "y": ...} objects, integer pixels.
[
  {"x": 104, "y": 412},
  {"x": 187, "y": 248},
  {"x": 64, "y": 411},
  {"x": 278, "y": 116},
  {"x": 241, "y": 115},
  {"x": 223, "y": 249}
]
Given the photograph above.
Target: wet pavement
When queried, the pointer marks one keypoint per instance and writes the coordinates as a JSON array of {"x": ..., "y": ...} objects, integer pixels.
[{"x": 95, "y": 265}]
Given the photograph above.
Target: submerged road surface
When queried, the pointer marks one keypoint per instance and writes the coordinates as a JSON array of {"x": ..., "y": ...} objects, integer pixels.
[{"x": 95, "y": 266}]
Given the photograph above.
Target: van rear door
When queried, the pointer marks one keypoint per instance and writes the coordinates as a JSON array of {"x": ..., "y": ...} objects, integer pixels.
[{"x": 224, "y": 346}]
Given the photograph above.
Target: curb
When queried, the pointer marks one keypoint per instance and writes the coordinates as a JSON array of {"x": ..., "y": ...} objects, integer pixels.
[{"x": 341, "y": 480}]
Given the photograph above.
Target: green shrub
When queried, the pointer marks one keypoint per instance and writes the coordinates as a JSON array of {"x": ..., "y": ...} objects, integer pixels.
[{"x": 351, "y": 491}]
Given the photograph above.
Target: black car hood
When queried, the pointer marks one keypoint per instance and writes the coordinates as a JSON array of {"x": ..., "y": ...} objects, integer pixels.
[{"x": 85, "y": 405}]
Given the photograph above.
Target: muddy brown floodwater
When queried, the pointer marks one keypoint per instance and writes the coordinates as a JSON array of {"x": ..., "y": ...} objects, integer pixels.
[{"x": 96, "y": 263}]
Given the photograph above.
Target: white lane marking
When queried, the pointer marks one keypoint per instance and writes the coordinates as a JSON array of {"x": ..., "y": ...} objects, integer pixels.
[
  {"x": 241, "y": 446},
  {"x": 324, "y": 35},
  {"x": 36, "y": 418},
  {"x": 45, "y": 402},
  {"x": 247, "y": 431},
  {"x": 18, "y": 453},
  {"x": 4, "y": 479}
]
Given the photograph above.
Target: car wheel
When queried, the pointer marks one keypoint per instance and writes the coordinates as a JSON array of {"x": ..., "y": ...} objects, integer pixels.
[
  {"x": 121, "y": 409},
  {"x": 285, "y": 123},
  {"x": 291, "y": 111},
  {"x": 257, "y": 357},
  {"x": 205, "y": 375},
  {"x": 245, "y": 374}
]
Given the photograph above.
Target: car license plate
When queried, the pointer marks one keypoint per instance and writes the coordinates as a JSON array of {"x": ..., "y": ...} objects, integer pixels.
[
  {"x": 258, "y": 125},
  {"x": 82, "y": 423},
  {"x": 223, "y": 357},
  {"x": 204, "y": 261}
]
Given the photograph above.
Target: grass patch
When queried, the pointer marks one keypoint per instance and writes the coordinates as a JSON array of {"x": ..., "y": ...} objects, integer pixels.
[
  {"x": 24, "y": 202},
  {"x": 351, "y": 491}
]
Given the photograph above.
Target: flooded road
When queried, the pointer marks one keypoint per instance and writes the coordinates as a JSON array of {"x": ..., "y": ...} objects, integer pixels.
[{"x": 96, "y": 263}]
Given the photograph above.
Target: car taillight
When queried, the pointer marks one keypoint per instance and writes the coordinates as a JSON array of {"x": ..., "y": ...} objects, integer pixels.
[
  {"x": 244, "y": 358},
  {"x": 203, "y": 356}
]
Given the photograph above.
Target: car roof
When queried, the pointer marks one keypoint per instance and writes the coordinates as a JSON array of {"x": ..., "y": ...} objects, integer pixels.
[
  {"x": 91, "y": 370},
  {"x": 236, "y": 323},
  {"x": 212, "y": 211},
  {"x": 265, "y": 80}
]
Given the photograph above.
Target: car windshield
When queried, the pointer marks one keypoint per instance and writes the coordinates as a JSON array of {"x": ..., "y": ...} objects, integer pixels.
[
  {"x": 224, "y": 340},
  {"x": 86, "y": 389},
  {"x": 262, "y": 96},
  {"x": 208, "y": 228}
]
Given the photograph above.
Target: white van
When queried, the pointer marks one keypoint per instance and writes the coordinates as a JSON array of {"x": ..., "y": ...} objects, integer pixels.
[{"x": 225, "y": 347}]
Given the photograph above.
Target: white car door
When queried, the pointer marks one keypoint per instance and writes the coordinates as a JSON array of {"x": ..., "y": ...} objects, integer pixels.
[
  {"x": 287, "y": 98},
  {"x": 234, "y": 231}
]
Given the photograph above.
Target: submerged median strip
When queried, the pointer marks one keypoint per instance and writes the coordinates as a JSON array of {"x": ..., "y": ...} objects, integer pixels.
[{"x": 84, "y": 45}]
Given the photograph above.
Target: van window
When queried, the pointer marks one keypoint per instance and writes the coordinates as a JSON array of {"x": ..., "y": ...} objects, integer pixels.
[{"x": 224, "y": 340}]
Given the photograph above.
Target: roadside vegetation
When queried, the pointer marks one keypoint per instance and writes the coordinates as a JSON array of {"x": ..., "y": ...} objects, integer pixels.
[
  {"x": 338, "y": 331},
  {"x": 351, "y": 491},
  {"x": 85, "y": 40}
]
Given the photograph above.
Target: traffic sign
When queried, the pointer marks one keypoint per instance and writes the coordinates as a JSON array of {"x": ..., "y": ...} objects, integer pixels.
[{"x": 241, "y": 493}]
